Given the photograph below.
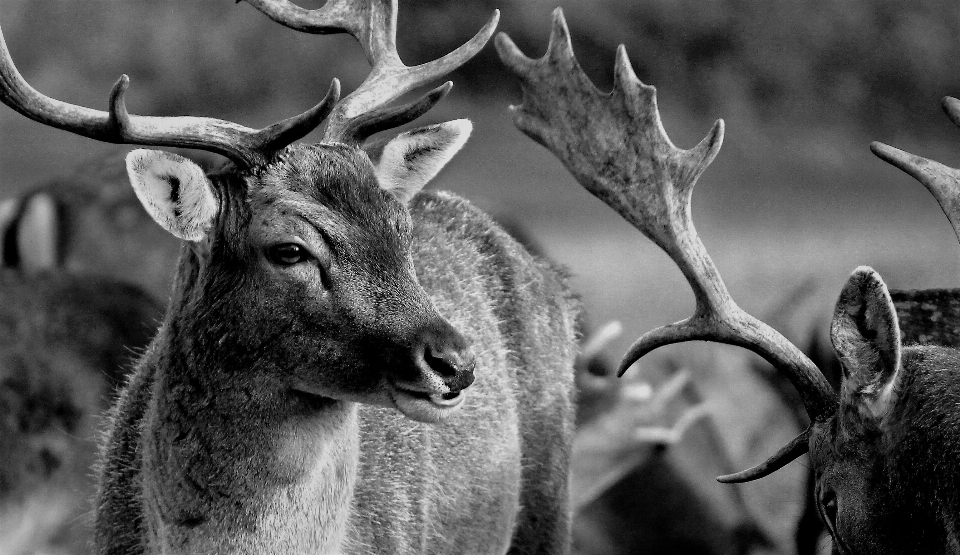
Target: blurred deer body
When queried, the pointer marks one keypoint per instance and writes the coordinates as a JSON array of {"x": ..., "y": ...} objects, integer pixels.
[
  {"x": 885, "y": 451},
  {"x": 311, "y": 388},
  {"x": 89, "y": 222},
  {"x": 65, "y": 346}
]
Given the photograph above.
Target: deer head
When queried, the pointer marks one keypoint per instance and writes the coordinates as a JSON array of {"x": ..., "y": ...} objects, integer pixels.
[
  {"x": 309, "y": 241},
  {"x": 879, "y": 481}
]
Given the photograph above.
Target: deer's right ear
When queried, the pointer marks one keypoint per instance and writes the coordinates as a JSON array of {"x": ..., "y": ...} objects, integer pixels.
[
  {"x": 866, "y": 337},
  {"x": 175, "y": 192}
]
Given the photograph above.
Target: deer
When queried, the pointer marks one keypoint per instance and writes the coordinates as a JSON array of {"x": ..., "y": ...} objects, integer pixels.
[
  {"x": 884, "y": 448},
  {"x": 88, "y": 221},
  {"x": 65, "y": 346},
  {"x": 348, "y": 363}
]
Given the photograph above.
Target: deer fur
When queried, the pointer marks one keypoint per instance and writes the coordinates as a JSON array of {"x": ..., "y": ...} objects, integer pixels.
[
  {"x": 257, "y": 422},
  {"x": 888, "y": 463}
]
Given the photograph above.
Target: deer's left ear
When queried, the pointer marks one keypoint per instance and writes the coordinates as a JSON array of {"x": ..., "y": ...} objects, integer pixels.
[
  {"x": 866, "y": 337},
  {"x": 410, "y": 160}
]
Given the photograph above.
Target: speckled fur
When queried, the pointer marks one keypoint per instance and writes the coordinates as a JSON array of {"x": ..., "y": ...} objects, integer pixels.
[{"x": 209, "y": 453}]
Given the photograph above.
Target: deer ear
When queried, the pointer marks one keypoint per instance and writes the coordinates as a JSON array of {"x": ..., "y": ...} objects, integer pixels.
[
  {"x": 866, "y": 338},
  {"x": 175, "y": 192},
  {"x": 410, "y": 160}
]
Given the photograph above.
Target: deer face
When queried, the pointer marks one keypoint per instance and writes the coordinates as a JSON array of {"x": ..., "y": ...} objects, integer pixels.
[
  {"x": 318, "y": 255},
  {"x": 851, "y": 489}
]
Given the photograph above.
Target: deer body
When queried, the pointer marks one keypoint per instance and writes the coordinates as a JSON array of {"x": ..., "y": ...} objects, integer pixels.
[
  {"x": 65, "y": 345},
  {"x": 212, "y": 451}
]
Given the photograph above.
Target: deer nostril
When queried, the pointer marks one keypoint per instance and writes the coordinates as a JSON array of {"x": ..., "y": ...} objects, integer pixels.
[
  {"x": 454, "y": 365},
  {"x": 443, "y": 363}
]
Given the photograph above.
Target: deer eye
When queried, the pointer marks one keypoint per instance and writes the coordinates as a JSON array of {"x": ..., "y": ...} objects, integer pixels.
[{"x": 287, "y": 254}]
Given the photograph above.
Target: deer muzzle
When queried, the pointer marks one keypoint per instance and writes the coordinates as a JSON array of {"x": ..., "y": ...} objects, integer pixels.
[{"x": 440, "y": 369}]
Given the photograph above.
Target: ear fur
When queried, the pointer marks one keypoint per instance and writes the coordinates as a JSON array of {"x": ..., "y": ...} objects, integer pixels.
[
  {"x": 38, "y": 234},
  {"x": 175, "y": 192},
  {"x": 866, "y": 337},
  {"x": 409, "y": 161}
]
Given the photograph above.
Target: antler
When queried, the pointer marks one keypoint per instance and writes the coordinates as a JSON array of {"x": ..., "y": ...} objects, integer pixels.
[
  {"x": 615, "y": 145},
  {"x": 942, "y": 181},
  {"x": 374, "y": 24},
  {"x": 246, "y": 147}
]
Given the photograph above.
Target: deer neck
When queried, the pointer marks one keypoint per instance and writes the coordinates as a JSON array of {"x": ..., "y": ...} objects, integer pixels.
[{"x": 231, "y": 465}]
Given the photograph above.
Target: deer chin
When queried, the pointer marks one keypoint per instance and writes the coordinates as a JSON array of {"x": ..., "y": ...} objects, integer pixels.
[{"x": 425, "y": 406}]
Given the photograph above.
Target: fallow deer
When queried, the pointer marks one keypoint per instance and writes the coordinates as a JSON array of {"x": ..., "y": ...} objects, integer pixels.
[
  {"x": 65, "y": 344},
  {"x": 347, "y": 364},
  {"x": 886, "y": 448}
]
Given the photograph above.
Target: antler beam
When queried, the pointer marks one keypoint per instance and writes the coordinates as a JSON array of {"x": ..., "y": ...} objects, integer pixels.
[
  {"x": 615, "y": 145},
  {"x": 942, "y": 181},
  {"x": 246, "y": 147}
]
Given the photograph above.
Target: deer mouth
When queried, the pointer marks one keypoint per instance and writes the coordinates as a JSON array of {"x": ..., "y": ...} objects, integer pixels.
[{"x": 425, "y": 406}]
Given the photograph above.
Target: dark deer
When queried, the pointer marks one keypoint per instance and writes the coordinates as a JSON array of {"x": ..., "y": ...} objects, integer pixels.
[
  {"x": 347, "y": 364},
  {"x": 886, "y": 448},
  {"x": 65, "y": 345}
]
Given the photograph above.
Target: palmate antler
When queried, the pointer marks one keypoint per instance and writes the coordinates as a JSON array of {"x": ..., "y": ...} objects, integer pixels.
[
  {"x": 942, "y": 181},
  {"x": 615, "y": 146},
  {"x": 361, "y": 114}
]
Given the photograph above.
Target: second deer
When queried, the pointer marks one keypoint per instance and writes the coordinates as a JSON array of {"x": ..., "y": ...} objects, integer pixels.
[
  {"x": 347, "y": 364},
  {"x": 886, "y": 449}
]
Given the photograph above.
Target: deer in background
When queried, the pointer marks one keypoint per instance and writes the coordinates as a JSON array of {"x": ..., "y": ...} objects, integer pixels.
[
  {"x": 88, "y": 221},
  {"x": 347, "y": 364},
  {"x": 886, "y": 448},
  {"x": 65, "y": 345}
]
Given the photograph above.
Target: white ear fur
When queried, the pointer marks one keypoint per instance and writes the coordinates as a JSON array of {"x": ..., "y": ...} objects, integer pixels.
[
  {"x": 175, "y": 192},
  {"x": 410, "y": 160}
]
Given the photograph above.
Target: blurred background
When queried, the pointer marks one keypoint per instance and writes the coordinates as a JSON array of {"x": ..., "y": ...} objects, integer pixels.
[{"x": 794, "y": 197}]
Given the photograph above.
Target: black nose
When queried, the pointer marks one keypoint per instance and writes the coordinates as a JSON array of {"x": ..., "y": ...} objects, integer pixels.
[{"x": 446, "y": 353}]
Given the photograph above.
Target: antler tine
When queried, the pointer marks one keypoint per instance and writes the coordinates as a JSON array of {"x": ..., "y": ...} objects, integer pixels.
[
  {"x": 374, "y": 24},
  {"x": 942, "y": 181},
  {"x": 246, "y": 147},
  {"x": 797, "y": 446},
  {"x": 615, "y": 145}
]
